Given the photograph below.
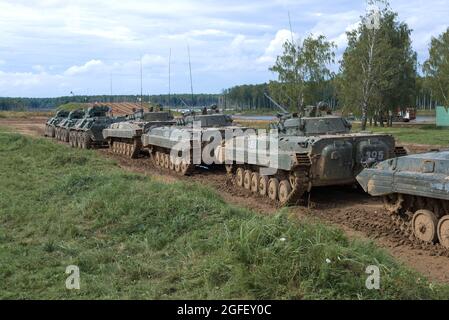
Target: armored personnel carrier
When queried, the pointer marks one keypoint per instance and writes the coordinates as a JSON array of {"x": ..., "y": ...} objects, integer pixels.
[
  {"x": 50, "y": 126},
  {"x": 311, "y": 150},
  {"x": 415, "y": 190},
  {"x": 126, "y": 137},
  {"x": 88, "y": 132},
  {"x": 173, "y": 147},
  {"x": 63, "y": 128}
]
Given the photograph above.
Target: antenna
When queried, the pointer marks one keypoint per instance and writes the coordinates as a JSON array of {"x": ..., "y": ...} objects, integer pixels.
[
  {"x": 291, "y": 29},
  {"x": 275, "y": 103},
  {"x": 111, "y": 85},
  {"x": 141, "y": 83},
  {"x": 190, "y": 68},
  {"x": 169, "y": 79}
]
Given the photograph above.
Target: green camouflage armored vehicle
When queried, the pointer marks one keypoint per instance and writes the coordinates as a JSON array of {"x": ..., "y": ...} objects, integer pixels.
[
  {"x": 63, "y": 128},
  {"x": 87, "y": 133},
  {"x": 174, "y": 147},
  {"x": 50, "y": 126},
  {"x": 301, "y": 152},
  {"x": 126, "y": 137},
  {"x": 415, "y": 190}
]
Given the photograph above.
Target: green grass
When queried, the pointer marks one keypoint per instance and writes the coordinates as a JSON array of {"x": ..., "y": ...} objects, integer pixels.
[
  {"x": 134, "y": 237},
  {"x": 426, "y": 112},
  {"x": 419, "y": 134},
  {"x": 72, "y": 106}
]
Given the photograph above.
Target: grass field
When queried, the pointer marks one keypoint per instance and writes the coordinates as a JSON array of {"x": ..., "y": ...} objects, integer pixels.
[
  {"x": 419, "y": 134},
  {"x": 24, "y": 114},
  {"x": 134, "y": 237}
]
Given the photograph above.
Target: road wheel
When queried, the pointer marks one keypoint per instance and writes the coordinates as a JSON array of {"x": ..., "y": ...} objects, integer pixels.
[
  {"x": 178, "y": 165},
  {"x": 263, "y": 185},
  {"x": 87, "y": 141},
  {"x": 166, "y": 161},
  {"x": 156, "y": 159},
  {"x": 172, "y": 163},
  {"x": 255, "y": 182},
  {"x": 273, "y": 189},
  {"x": 285, "y": 189},
  {"x": 247, "y": 179},
  {"x": 239, "y": 175},
  {"x": 443, "y": 231},
  {"x": 424, "y": 224},
  {"x": 79, "y": 139},
  {"x": 184, "y": 167}
]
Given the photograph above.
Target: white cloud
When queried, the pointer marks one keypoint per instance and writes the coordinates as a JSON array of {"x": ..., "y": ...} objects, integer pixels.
[
  {"x": 231, "y": 42},
  {"x": 275, "y": 46},
  {"x": 90, "y": 66}
]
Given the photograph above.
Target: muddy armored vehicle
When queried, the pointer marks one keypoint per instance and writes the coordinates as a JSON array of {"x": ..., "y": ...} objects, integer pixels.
[
  {"x": 63, "y": 128},
  {"x": 180, "y": 148},
  {"x": 301, "y": 152},
  {"x": 87, "y": 133},
  {"x": 415, "y": 191},
  {"x": 126, "y": 137},
  {"x": 50, "y": 126}
]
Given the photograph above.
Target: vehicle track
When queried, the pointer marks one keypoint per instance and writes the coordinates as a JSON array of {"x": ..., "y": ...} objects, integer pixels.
[{"x": 359, "y": 215}]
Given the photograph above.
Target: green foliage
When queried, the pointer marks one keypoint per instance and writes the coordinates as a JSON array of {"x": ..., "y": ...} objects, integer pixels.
[
  {"x": 437, "y": 67},
  {"x": 136, "y": 238},
  {"x": 247, "y": 97},
  {"x": 378, "y": 71},
  {"x": 71, "y": 106},
  {"x": 303, "y": 71}
]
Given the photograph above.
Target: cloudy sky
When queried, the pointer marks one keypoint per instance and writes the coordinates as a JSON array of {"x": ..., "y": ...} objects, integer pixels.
[{"x": 52, "y": 47}]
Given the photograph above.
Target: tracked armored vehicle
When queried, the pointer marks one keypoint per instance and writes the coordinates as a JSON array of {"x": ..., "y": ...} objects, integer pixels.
[
  {"x": 317, "y": 149},
  {"x": 415, "y": 191},
  {"x": 174, "y": 147},
  {"x": 126, "y": 137},
  {"x": 63, "y": 128},
  {"x": 87, "y": 133},
  {"x": 50, "y": 126}
]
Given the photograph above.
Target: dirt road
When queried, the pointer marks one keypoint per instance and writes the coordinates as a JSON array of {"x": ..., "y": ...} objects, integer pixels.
[{"x": 359, "y": 215}]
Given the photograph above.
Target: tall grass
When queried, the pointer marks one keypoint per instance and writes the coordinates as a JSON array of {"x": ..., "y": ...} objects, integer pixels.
[{"x": 134, "y": 237}]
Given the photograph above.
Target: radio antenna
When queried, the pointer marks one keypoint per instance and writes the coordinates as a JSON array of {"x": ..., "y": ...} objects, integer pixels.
[
  {"x": 190, "y": 69},
  {"x": 169, "y": 79}
]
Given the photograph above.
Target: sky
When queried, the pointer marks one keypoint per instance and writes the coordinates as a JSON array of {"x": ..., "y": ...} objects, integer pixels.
[{"x": 51, "y": 48}]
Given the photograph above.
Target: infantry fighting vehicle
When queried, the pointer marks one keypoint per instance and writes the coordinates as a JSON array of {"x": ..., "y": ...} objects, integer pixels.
[
  {"x": 180, "y": 147},
  {"x": 63, "y": 128},
  {"x": 126, "y": 137},
  {"x": 415, "y": 190},
  {"x": 50, "y": 126},
  {"x": 309, "y": 150},
  {"x": 88, "y": 131}
]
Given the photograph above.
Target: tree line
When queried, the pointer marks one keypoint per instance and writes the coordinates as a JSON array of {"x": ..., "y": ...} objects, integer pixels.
[{"x": 174, "y": 100}]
